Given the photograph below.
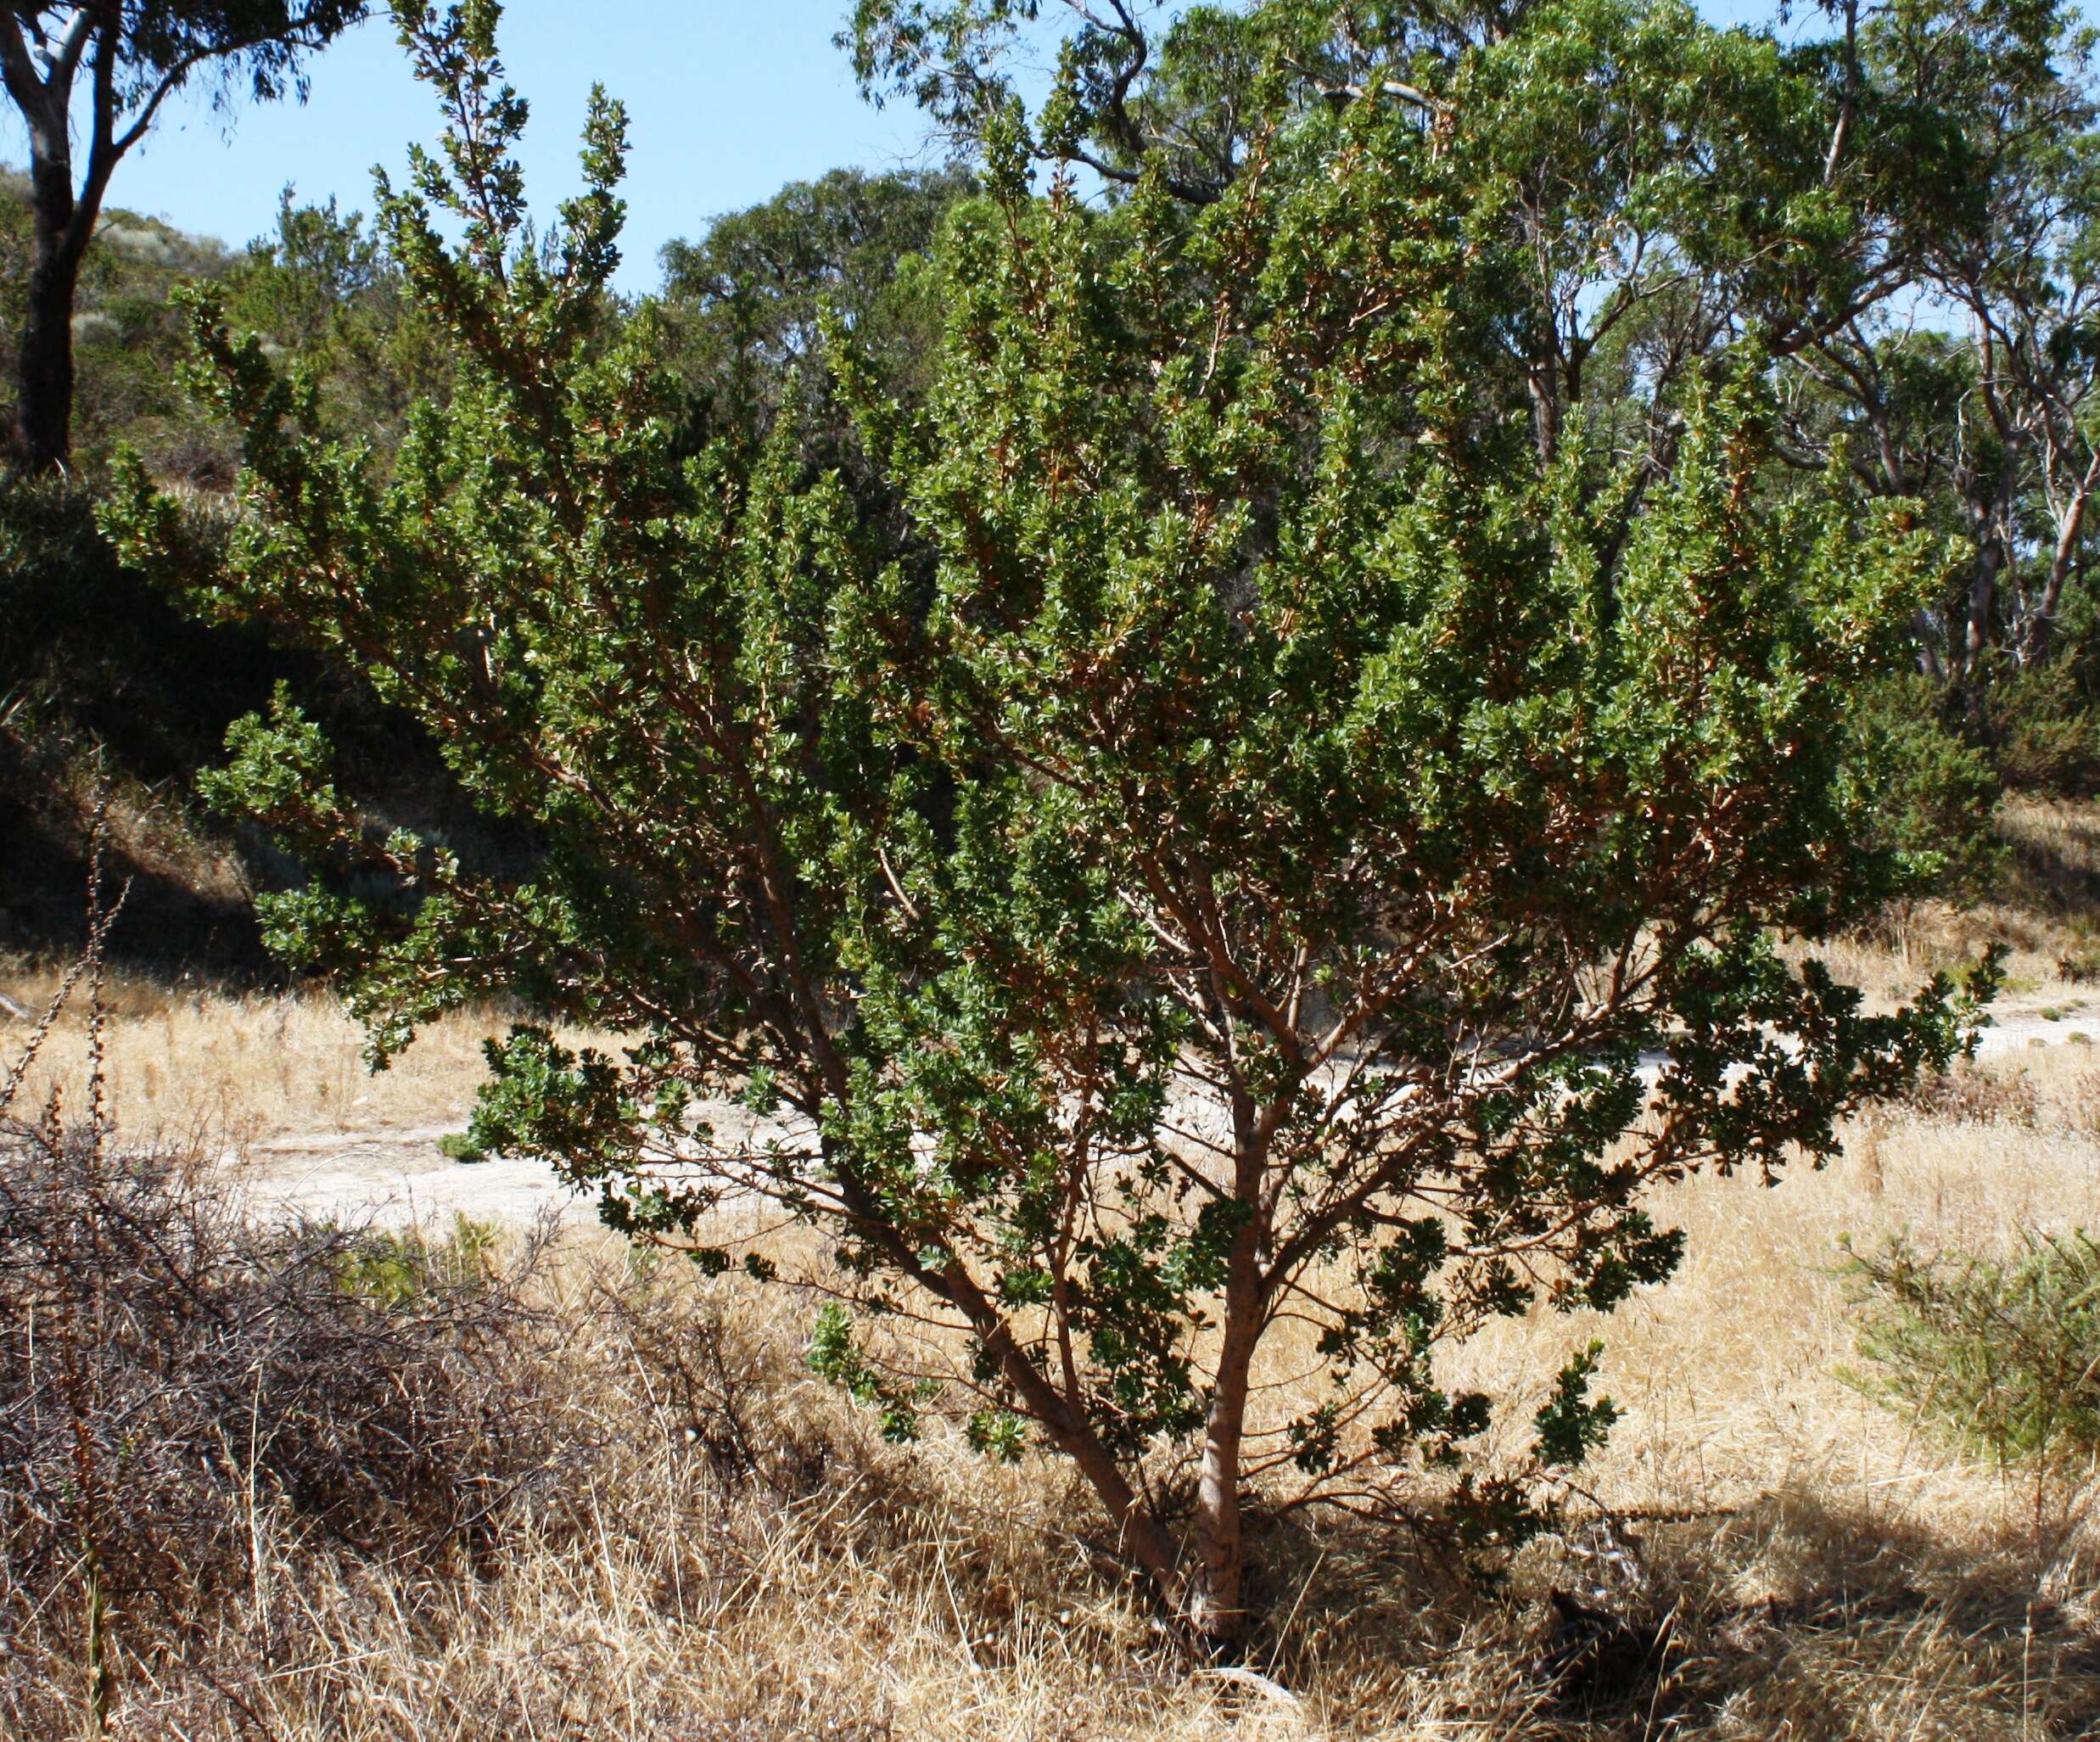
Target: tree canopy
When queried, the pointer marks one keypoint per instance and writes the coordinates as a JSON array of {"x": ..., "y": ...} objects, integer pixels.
[
  {"x": 1897, "y": 209},
  {"x": 88, "y": 77},
  {"x": 750, "y": 295}
]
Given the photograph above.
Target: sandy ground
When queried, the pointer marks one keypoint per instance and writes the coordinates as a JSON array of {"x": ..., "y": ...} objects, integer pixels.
[
  {"x": 390, "y": 1174},
  {"x": 398, "y": 1176}
]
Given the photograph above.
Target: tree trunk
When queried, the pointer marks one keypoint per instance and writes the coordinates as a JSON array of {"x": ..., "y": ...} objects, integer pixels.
[
  {"x": 1140, "y": 1534},
  {"x": 1979, "y": 621},
  {"x": 43, "y": 417},
  {"x": 1983, "y": 603},
  {"x": 2040, "y": 625},
  {"x": 1545, "y": 386},
  {"x": 63, "y": 219},
  {"x": 1213, "y": 1602}
]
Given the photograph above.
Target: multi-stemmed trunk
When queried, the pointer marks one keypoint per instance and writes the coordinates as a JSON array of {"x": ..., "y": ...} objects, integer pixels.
[
  {"x": 1203, "y": 1583},
  {"x": 1205, "y": 1587}
]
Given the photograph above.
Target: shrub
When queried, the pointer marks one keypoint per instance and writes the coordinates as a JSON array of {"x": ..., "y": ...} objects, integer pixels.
[
  {"x": 1938, "y": 795},
  {"x": 397, "y": 1268},
  {"x": 167, "y": 1369},
  {"x": 1967, "y": 1094},
  {"x": 1210, "y": 857},
  {"x": 2002, "y": 1355},
  {"x": 94, "y": 647},
  {"x": 2044, "y": 732},
  {"x": 2080, "y": 965}
]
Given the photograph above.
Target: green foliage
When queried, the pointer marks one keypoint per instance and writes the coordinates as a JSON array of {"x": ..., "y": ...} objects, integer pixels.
[
  {"x": 833, "y": 1357},
  {"x": 323, "y": 290},
  {"x": 2042, "y": 730},
  {"x": 1656, "y": 190},
  {"x": 297, "y": 285},
  {"x": 1216, "y": 840},
  {"x": 398, "y": 1269},
  {"x": 109, "y": 687},
  {"x": 127, "y": 342},
  {"x": 746, "y": 300},
  {"x": 321, "y": 287},
  {"x": 1570, "y": 1426},
  {"x": 89, "y": 649},
  {"x": 2002, "y": 1355},
  {"x": 1939, "y": 794}
]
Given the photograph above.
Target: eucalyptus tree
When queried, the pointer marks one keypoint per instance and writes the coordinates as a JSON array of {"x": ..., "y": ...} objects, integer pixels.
[
  {"x": 1249, "y": 876},
  {"x": 88, "y": 77},
  {"x": 748, "y": 296},
  {"x": 1664, "y": 187},
  {"x": 1977, "y": 392}
]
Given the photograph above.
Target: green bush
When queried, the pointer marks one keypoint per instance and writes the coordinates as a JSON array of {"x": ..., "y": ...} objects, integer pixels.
[
  {"x": 394, "y": 1268},
  {"x": 103, "y": 670},
  {"x": 98, "y": 652},
  {"x": 2045, "y": 732},
  {"x": 1999, "y": 1355},
  {"x": 1938, "y": 795}
]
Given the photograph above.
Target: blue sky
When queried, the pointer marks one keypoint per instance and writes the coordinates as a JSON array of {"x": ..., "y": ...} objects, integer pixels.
[{"x": 726, "y": 103}]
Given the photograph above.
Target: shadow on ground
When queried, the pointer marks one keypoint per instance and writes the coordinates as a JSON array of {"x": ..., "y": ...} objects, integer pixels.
[{"x": 1793, "y": 1617}]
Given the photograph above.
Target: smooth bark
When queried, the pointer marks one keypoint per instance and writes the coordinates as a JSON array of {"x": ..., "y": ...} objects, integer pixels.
[{"x": 1214, "y": 1601}]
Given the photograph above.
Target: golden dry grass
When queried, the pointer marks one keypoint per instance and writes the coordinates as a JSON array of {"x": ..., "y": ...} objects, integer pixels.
[
  {"x": 1837, "y": 1573},
  {"x": 235, "y": 1067},
  {"x": 2042, "y": 911}
]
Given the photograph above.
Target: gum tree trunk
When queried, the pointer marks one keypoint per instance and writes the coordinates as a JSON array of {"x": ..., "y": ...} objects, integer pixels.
[
  {"x": 64, "y": 214},
  {"x": 43, "y": 424}
]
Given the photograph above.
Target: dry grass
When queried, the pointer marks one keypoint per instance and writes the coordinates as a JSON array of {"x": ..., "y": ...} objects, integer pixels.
[
  {"x": 233, "y": 1068},
  {"x": 741, "y": 1558},
  {"x": 2043, "y": 912},
  {"x": 737, "y": 1555}
]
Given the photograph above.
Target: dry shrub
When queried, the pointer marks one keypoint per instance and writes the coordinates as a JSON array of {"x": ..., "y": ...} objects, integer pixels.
[
  {"x": 2054, "y": 1089},
  {"x": 1971, "y": 1094},
  {"x": 2077, "y": 1102},
  {"x": 2079, "y": 962},
  {"x": 234, "y": 1458},
  {"x": 177, "y": 1384}
]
